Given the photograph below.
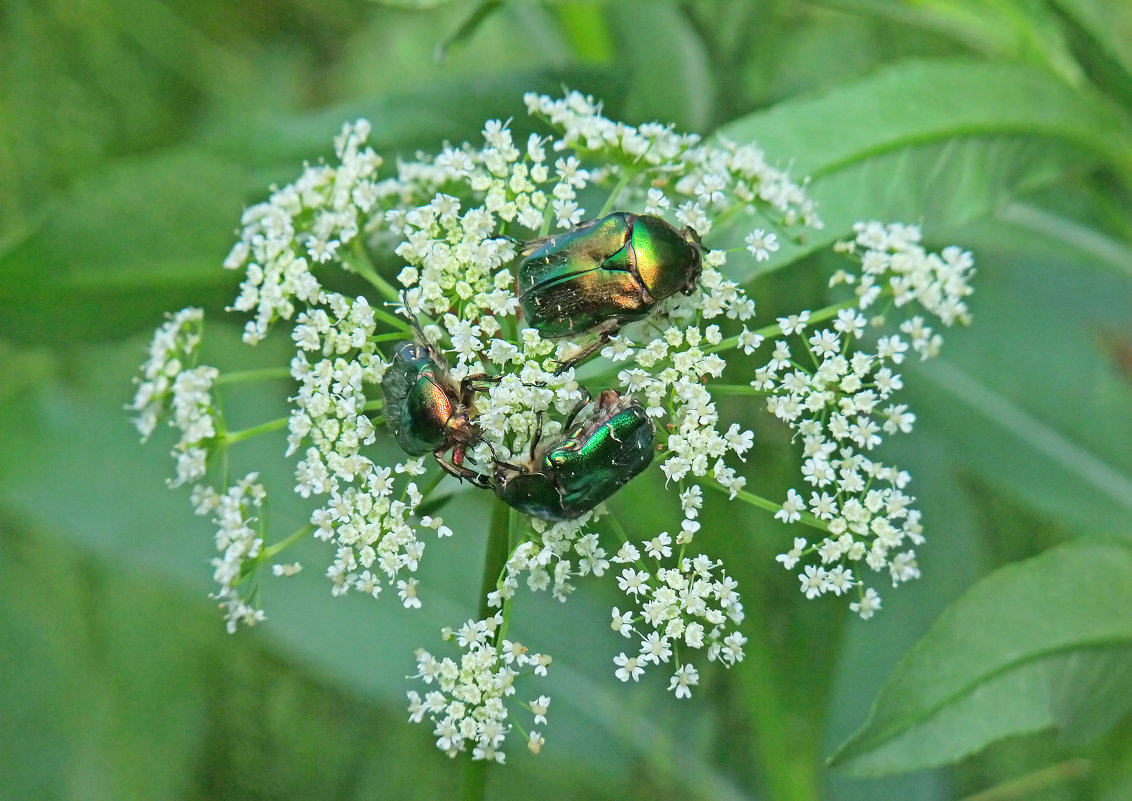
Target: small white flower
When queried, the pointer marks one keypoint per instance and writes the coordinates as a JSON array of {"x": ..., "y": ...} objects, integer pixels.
[
  {"x": 814, "y": 581},
  {"x": 622, "y": 622},
  {"x": 660, "y": 546},
  {"x": 794, "y": 323},
  {"x": 628, "y": 667},
  {"x": 791, "y": 557},
  {"x": 792, "y": 508},
  {"x": 761, "y": 244},
  {"x": 683, "y": 680},
  {"x": 867, "y": 605},
  {"x": 407, "y": 592}
]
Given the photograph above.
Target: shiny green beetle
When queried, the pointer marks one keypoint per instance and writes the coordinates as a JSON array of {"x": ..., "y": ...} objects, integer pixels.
[
  {"x": 569, "y": 476},
  {"x": 427, "y": 411},
  {"x": 603, "y": 274}
]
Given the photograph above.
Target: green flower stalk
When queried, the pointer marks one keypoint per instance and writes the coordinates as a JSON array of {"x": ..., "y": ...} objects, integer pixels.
[{"x": 511, "y": 401}]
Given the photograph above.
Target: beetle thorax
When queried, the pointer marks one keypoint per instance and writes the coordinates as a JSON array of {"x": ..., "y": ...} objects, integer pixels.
[{"x": 460, "y": 429}]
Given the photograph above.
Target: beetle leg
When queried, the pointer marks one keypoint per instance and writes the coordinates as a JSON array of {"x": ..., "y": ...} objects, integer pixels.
[
  {"x": 518, "y": 468},
  {"x": 535, "y": 439},
  {"x": 455, "y": 467},
  {"x": 468, "y": 385},
  {"x": 581, "y": 404},
  {"x": 605, "y": 333}
]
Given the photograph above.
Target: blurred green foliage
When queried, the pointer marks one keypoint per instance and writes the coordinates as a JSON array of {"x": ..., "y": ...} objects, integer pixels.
[{"x": 132, "y": 134}]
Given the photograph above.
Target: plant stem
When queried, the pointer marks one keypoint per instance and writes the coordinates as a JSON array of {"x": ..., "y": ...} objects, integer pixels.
[
  {"x": 1030, "y": 784},
  {"x": 232, "y": 437},
  {"x": 433, "y": 483},
  {"x": 241, "y": 376},
  {"x": 475, "y": 779},
  {"x": 283, "y": 544},
  {"x": 356, "y": 260},
  {"x": 392, "y": 320},
  {"x": 498, "y": 546},
  {"x": 514, "y": 531},
  {"x": 390, "y": 337},
  {"x": 788, "y": 765},
  {"x": 807, "y": 519},
  {"x": 626, "y": 177},
  {"x": 736, "y": 389},
  {"x": 821, "y": 315}
]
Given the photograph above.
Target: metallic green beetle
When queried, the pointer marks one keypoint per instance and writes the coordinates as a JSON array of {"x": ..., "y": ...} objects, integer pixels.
[
  {"x": 428, "y": 412},
  {"x": 569, "y": 476},
  {"x": 603, "y": 274}
]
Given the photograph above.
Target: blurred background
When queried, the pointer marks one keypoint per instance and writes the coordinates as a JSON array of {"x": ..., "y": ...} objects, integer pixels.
[{"x": 133, "y": 133}]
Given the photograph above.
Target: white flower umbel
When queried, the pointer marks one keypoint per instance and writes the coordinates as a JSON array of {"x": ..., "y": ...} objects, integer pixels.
[
  {"x": 452, "y": 226},
  {"x": 837, "y": 391},
  {"x": 467, "y": 699},
  {"x": 239, "y": 539},
  {"x": 675, "y": 612},
  {"x": 169, "y": 388},
  {"x": 173, "y": 350}
]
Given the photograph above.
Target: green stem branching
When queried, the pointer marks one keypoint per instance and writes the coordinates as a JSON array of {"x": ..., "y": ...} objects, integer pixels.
[
  {"x": 286, "y": 543},
  {"x": 626, "y": 177},
  {"x": 774, "y": 329},
  {"x": 243, "y": 376},
  {"x": 232, "y": 437},
  {"x": 807, "y": 519}
]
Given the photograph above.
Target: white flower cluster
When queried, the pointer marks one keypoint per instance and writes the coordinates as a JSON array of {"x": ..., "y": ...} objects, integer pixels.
[
  {"x": 681, "y": 608},
  {"x": 239, "y": 539},
  {"x": 468, "y": 705},
  {"x": 937, "y": 282},
  {"x": 841, "y": 408},
  {"x": 173, "y": 348},
  {"x": 712, "y": 176},
  {"x": 170, "y": 388},
  {"x": 455, "y": 255},
  {"x": 545, "y": 557},
  {"x": 455, "y": 222},
  {"x": 669, "y": 376},
  {"x": 301, "y": 225},
  {"x": 367, "y": 516}
]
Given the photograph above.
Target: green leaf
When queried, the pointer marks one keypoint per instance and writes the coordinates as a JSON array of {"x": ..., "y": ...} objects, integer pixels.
[
  {"x": 86, "y": 658},
  {"x": 947, "y": 141},
  {"x": 403, "y": 122},
  {"x": 1020, "y": 30},
  {"x": 1108, "y": 22},
  {"x": 918, "y": 102},
  {"x": 125, "y": 516},
  {"x": 667, "y": 65},
  {"x": 143, "y": 220},
  {"x": 1074, "y": 236},
  {"x": 1045, "y": 462},
  {"x": 469, "y": 26},
  {"x": 146, "y": 234},
  {"x": 870, "y": 650},
  {"x": 1035, "y": 645},
  {"x": 111, "y": 248},
  {"x": 414, "y": 5},
  {"x": 1032, "y": 398}
]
